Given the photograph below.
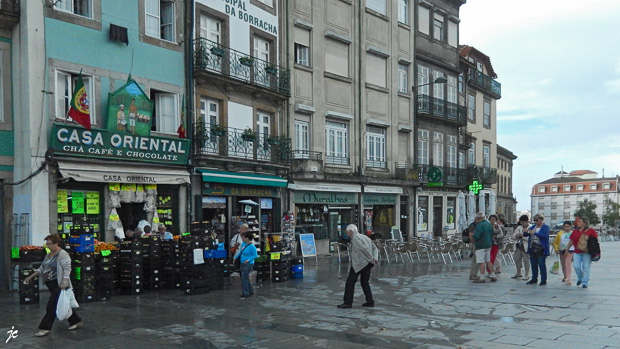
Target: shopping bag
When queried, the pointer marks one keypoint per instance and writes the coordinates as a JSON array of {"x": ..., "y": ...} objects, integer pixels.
[
  {"x": 554, "y": 269},
  {"x": 72, "y": 301},
  {"x": 63, "y": 309}
]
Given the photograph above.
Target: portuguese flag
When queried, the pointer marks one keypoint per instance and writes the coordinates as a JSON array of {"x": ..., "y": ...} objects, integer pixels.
[{"x": 78, "y": 110}]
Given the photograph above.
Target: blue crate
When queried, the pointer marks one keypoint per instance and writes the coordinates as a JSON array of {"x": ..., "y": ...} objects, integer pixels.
[
  {"x": 215, "y": 254},
  {"x": 297, "y": 275},
  {"x": 84, "y": 248},
  {"x": 299, "y": 268},
  {"x": 82, "y": 240},
  {"x": 220, "y": 247}
]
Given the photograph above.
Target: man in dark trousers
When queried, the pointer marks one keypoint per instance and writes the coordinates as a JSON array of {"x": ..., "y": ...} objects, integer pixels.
[{"x": 364, "y": 256}]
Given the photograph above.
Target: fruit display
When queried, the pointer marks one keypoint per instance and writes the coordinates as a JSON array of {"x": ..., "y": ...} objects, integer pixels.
[{"x": 102, "y": 246}]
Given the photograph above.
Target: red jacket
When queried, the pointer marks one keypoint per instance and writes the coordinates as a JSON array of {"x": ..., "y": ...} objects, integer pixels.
[{"x": 577, "y": 234}]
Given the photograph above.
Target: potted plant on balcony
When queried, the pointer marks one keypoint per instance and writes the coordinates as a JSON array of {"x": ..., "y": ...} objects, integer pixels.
[
  {"x": 217, "y": 130},
  {"x": 248, "y": 135},
  {"x": 217, "y": 51},
  {"x": 271, "y": 69},
  {"x": 247, "y": 61},
  {"x": 273, "y": 140}
]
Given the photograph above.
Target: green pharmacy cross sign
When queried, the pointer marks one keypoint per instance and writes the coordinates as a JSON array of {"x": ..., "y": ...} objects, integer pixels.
[{"x": 475, "y": 187}]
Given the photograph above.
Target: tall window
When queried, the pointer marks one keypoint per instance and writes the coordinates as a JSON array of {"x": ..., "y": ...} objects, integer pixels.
[
  {"x": 452, "y": 94},
  {"x": 336, "y": 143},
  {"x": 77, "y": 7},
  {"x": 452, "y": 33},
  {"x": 376, "y": 67},
  {"x": 486, "y": 120},
  {"x": 423, "y": 20},
  {"x": 461, "y": 159},
  {"x": 438, "y": 27},
  {"x": 423, "y": 147},
  {"x": 461, "y": 83},
  {"x": 403, "y": 15},
  {"x": 209, "y": 112},
  {"x": 471, "y": 154},
  {"x": 302, "y": 139},
  {"x": 438, "y": 149},
  {"x": 336, "y": 57},
  {"x": 166, "y": 112},
  {"x": 210, "y": 28},
  {"x": 471, "y": 108},
  {"x": 377, "y": 5},
  {"x": 452, "y": 151},
  {"x": 302, "y": 46},
  {"x": 159, "y": 21},
  {"x": 402, "y": 78},
  {"x": 65, "y": 83},
  {"x": 262, "y": 51},
  {"x": 423, "y": 79},
  {"x": 375, "y": 151},
  {"x": 486, "y": 156},
  {"x": 438, "y": 89}
]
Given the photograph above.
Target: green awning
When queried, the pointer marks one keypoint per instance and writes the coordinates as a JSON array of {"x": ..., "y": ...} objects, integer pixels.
[{"x": 242, "y": 178}]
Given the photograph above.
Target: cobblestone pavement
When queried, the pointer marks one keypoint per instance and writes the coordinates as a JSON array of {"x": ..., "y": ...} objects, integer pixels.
[{"x": 417, "y": 306}]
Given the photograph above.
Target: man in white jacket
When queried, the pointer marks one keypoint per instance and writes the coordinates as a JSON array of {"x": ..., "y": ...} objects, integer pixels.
[{"x": 364, "y": 256}]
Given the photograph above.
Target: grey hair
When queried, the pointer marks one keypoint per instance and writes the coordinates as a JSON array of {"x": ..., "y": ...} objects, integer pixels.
[
  {"x": 480, "y": 215},
  {"x": 352, "y": 228},
  {"x": 539, "y": 216}
]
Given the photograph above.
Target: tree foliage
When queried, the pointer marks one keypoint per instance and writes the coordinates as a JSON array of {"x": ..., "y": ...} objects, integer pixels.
[
  {"x": 588, "y": 209},
  {"x": 612, "y": 214}
]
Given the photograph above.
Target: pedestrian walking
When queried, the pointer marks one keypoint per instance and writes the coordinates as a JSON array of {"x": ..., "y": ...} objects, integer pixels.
[
  {"x": 560, "y": 244},
  {"x": 483, "y": 238},
  {"x": 364, "y": 255},
  {"x": 498, "y": 240},
  {"x": 522, "y": 259},
  {"x": 538, "y": 249},
  {"x": 247, "y": 254},
  {"x": 55, "y": 271},
  {"x": 581, "y": 259},
  {"x": 473, "y": 266}
]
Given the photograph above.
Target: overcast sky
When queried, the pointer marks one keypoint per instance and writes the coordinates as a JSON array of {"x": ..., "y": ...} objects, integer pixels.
[{"x": 559, "y": 65}]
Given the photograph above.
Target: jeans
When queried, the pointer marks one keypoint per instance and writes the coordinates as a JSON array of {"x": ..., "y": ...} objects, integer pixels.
[
  {"x": 52, "y": 303},
  {"x": 581, "y": 263},
  {"x": 364, "y": 281},
  {"x": 246, "y": 286},
  {"x": 538, "y": 262}
]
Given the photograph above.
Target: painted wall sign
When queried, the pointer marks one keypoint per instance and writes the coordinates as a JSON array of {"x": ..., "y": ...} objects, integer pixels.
[
  {"x": 130, "y": 110},
  {"x": 230, "y": 190},
  {"x": 378, "y": 199},
  {"x": 302, "y": 197},
  {"x": 239, "y": 10}
]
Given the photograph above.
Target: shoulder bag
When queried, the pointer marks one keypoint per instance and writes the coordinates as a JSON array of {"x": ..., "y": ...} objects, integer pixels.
[
  {"x": 582, "y": 245},
  {"x": 237, "y": 263}
]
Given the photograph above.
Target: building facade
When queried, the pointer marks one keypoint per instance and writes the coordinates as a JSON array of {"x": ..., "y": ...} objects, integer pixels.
[
  {"x": 506, "y": 202},
  {"x": 558, "y": 198}
]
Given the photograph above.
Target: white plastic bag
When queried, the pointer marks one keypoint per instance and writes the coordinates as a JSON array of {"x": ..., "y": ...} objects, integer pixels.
[
  {"x": 63, "y": 309},
  {"x": 72, "y": 301}
]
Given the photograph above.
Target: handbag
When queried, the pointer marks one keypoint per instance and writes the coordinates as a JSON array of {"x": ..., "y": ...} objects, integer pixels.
[
  {"x": 594, "y": 249},
  {"x": 582, "y": 245},
  {"x": 237, "y": 263},
  {"x": 537, "y": 249}
]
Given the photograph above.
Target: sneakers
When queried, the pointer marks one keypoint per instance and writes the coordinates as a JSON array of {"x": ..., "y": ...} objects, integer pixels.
[
  {"x": 584, "y": 286},
  {"x": 76, "y": 326},
  {"x": 367, "y": 304},
  {"x": 526, "y": 277},
  {"x": 543, "y": 283},
  {"x": 479, "y": 281},
  {"x": 532, "y": 282},
  {"x": 516, "y": 276},
  {"x": 42, "y": 333},
  {"x": 344, "y": 306},
  {"x": 578, "y": 282},
  {"x": 475, "y": 277}
]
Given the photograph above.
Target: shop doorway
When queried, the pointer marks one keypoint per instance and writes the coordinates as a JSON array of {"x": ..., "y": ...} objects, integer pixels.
[
  {"x": 437, "y": 217},
  {"x": 131, "y": 214}
]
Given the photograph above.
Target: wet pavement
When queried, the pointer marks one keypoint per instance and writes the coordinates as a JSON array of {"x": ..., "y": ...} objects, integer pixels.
[{"x": 417, "y": 306}]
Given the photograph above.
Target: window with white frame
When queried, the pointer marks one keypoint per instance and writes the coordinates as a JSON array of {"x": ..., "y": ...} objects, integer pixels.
[
  {"x": 566, "y": 188},
  {"x": 302, "y": 139},
  {"x": 403, "y": 84},
  {"x": 403, "y": 11},
  {"x": 424, "y": 20},
  {"x": 336, "y": 57},
  {"x": 209, "y": 112},
  {"x": 541, "y": 190},
  {"x": 377, "y": 5},
  {"x": 423, "y": 147},
  {"x": 452, "y": 151},
  {"x": 471, "y": 154},
  {"x": 376, "y": 67},
  {"x": 65, "y": 84},
  {"x": 423, "y": 80},
  {"x": 166, "y": 112},
  {"x": 579, "y": 187},
  {"x": 452, "y": 94},
  {"x": 438, "y": 89},
  {"x": 375, "y": 150},
  {"x": 438, "y": 149},
  {"x": 453, "y": 33},
  {"x": 461, "y": 159},
  {"x": 336, "y": 142},
  {"x": 471, "y": 107},
  {"x": 159, "y": 19},
  {"x": 606, "y": 186},
  {"x": 461, "y": 83},
  {"x": 554, "y": 189},
  {"x": 302, "y": 46},
  {"x": 486, "y": 120},
  {"x": 593, "y": 186},
  {"x": 78, "y": 7},
  {"x": 486, "y": 156},
  {"x": 438, "y": 27}
]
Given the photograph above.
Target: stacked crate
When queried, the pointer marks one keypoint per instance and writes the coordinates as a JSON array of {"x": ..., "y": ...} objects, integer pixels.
[
  {"x": 131, "y": 271},
  {"x": 104, "y": 280},
  {"x": 263, "y": 271},
  {"x": 167, "y": 270},
  {"x": 280, "y": 268},
  {"x": 151, "y": 262},
  {"x": 193, "y": 277},
  {"x": 83, "y": 276},
  {"x": 28, "y": 293}
]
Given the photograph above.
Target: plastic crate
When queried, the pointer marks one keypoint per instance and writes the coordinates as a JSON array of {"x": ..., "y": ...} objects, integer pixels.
[
  {"x": 211, "y": 254},
  {"x": 299, "y": 268},
  {"x": 84, "y": 248},
  {"x": 297, "y": 275},
  {"x": 82, "y": 239}
]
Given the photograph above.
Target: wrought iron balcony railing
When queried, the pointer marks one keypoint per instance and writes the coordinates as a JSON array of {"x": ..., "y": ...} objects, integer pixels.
[
  {"x": 484, "y": 174},
  {"x": 213, "y": 57},
  {"x": 451, "y": 176},
  {"x": 376, "y": 164},
  {"x": 337, "y": 160},
  {"x": 465, "y": 139},
  {"x": 212, "y": 139},
  {"x": 486, "y": 83},
  {"x": 442, "y": 109},
  {"x": 307, "y": 155}
]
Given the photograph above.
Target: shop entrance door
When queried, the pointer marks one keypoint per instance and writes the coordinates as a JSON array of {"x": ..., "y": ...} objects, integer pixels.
[
  {"x": 131, "y": 214},
  {"x": 437, "y": 217}
]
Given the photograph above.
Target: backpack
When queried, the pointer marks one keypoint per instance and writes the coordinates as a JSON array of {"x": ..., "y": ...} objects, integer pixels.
[{"x": 466, "y": 235}]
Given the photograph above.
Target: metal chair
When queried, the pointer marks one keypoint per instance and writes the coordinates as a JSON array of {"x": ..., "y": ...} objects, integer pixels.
[
  {"x": 341, "y": 248},
  {"x": 382, "y": 249}
]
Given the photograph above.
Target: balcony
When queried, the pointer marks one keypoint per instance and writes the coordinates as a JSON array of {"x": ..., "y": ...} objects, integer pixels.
[
  {"x": 482, "y": 174},
  {"x": 452, "y": 176},
  {"x": 485, "y": 83},
  {"x": 214, "y": 141},
  {"x": 442, "y": 109},
  {"x": 212, "y": 60},
  {"x": 9, "y": 13},
  {"x": 306, "y": 161},
  {"x": 376, "y": 164},
  {"x": 465, "y": 139},
  {"x": 337, "y": 160}
]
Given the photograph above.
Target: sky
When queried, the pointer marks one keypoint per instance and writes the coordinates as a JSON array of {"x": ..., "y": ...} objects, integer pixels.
[{"x": 558, "y": 62}]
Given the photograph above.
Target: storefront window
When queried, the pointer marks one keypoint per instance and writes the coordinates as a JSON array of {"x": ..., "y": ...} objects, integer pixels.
[
  {"x": 79, "y": 209},
  {"x": 450, "y": 214},
  {"x": 423, "y": 213}
]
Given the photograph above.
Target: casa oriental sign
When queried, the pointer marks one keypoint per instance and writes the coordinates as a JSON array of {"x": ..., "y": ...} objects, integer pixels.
[{"x": 77, "y": 141}]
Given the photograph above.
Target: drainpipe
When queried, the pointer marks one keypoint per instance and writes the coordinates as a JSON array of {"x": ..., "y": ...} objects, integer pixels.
[
  {"x": 360, "y": 215},
  {"x": 189, "y": 105},
  {"x": 414, "y": 79}
]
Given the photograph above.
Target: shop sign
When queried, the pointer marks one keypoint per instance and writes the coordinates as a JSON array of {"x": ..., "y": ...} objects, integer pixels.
[
  {"x": 62, "y": 201},
  {"x": 92, "y": 203},
  {"x": 240, "y": 10},
  {"x": 324, "y": 198},
  {"x": 77, "y": 202},
  {"x": 379, "y": 199},
  {"x": 229, "y": 190}
]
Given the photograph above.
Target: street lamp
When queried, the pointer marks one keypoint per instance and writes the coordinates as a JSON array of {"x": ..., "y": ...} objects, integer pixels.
[{"x": 414, "y": 89}]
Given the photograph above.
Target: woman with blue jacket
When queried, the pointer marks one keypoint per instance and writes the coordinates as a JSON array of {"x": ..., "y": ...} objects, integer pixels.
[
  {"x": 538, "y": 249},
  {"x": 246, "y": 254}
]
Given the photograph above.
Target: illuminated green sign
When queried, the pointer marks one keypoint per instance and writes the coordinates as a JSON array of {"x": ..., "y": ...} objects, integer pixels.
[{"x": 475, "y": 187}]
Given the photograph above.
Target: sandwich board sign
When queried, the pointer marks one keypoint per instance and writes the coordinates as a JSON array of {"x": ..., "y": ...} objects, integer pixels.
[{"x": 308, "y": 248}]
